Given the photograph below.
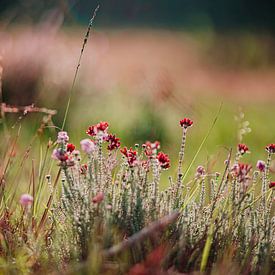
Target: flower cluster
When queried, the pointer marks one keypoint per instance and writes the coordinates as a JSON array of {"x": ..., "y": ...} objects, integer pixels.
[
  {"x": 186, "y": 122},
  {"x": 151, "y": 148},
  {"x": 163, "y": 160},
  {"x": 270, "y": 148},
  {"x": 114, "y": 142},
  {"x": 98, "y": 130},
  {"x": 131, "y": 155},
  {"x": 242, "y": 148}
]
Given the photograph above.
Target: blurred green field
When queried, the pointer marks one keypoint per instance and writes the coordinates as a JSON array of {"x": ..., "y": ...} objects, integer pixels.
[{"x": 143, "y": 88}]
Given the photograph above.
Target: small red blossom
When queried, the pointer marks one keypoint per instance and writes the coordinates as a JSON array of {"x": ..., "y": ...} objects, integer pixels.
[
  {"x": 83, "y": 169},
  {"x": 151, "y": 147},
  {"x": 98, "y": 128},
  {"x": 272, "y": 184},
  {"x": 70, "y": 147},
  {"x": 130, "y": 154},
  {"x": 98, "y": 198},
  {"x": 242, "y": 149},
  {"x": 92, "y": 130},
  {"x": 102, "y": 126},
  {"x": 114, "y": 142},
  {"x": 164, "y": 160},
  {"x": 270, "y": 148},
  {"x": 186, "y": 122},
  {"x": 261, "y": 165}
]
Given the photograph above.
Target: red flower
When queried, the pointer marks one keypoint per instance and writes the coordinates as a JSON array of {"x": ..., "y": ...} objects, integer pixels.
[
  {"x": 130, "y": 155},
  {"x": 83, "y": 169},
  {"x": 70, "y": 147},
  {"x": 164, "y": 160},
  {"x": 272, "y": 184},
  {"x": 242, "y": 148},
  {"x": 270, "y": 148},
  {"x": 151, "y": 147},
  {"x": 186, "y": 122},
  {"x": 114, "y": 142},
  {"x": 102, "y": 126},
  {"x": 92, "y": 130}
]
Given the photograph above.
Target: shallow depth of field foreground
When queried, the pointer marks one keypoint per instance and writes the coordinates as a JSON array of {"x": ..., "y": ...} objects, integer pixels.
[{"x": 126, "y": 149}]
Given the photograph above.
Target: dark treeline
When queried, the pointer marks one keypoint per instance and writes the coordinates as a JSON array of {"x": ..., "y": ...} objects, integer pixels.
[{"x": 217, "y": 14}]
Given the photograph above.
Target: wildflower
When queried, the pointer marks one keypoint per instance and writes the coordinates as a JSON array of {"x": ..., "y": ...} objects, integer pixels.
[
  {"x": 242, "y": 148},
  {"x": 186, "y": 122},
  {"x": 151, "y": 148},
  {"x": 92, "y": 130},
  {"x": 164, "y": 160},
  {"x": 272, "y": 184},
  {"x": 241, "y": 171},
  {"x": 99, "y": 130},
  {"x": 98, "y": 198},
  {"x": 83, "y": 169},
  {"x": 59, "y": 154},
  {"x": 87, "y": 145},
  {"x": 26, "y": 200},
  {"x": 62, "y": 137},
  {"x": 261, "y": 165},
  {"x": 131, "y": 156},
  {"x": 70, "y": 147},
  {"x": 200, "y": 171},
  {"x": 114, "y": 142},
  {"x": 270, "y": 148}
]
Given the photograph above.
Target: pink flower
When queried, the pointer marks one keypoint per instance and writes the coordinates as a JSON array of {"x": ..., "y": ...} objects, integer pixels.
[
  {"x": 200, "y": 171},
  {"x": 98, "y": 198},
  {"x": 62, "y": 137},
  {"x": 261, "y": 165},
  {"x": 26, "y": 200},
  {"x": 59, "y": 154},
  {"x": 87, "y": 145}
]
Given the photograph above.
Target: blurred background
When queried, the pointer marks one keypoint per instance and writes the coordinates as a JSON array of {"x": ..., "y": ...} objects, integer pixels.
[{"x": 147, "y": 64}]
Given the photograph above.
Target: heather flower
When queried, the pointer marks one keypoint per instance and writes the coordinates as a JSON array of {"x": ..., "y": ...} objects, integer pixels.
[
  {"x": 62, "y": 137},
  {"x": 186, "y": 122},
  {"x": 87, "y": 145},
  {"x": 272, "y": 184},
  {"x": 59, "y": 154},
  {"x": 92, "y": 130},
  {"x": 200, "y": 171},
  {"x": 26, "y": 200},
  {"x": 114, "y": 142},
  {"x": 83, "y": 169},
  {"x": 70, "y": 147},
  {"x": 99, "y": 130},
  {"x": 241, "y": 171},
  {"x": 163, "y": 160},
  {"x": 98, "y": 198},
  {"x": 270, "y": 148},
  {"x": 151, "y": 148},
  {"x": 261, "y": 165},
  {"x": 242, "y": 148},
  {"x": 131, "y": 156}
]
